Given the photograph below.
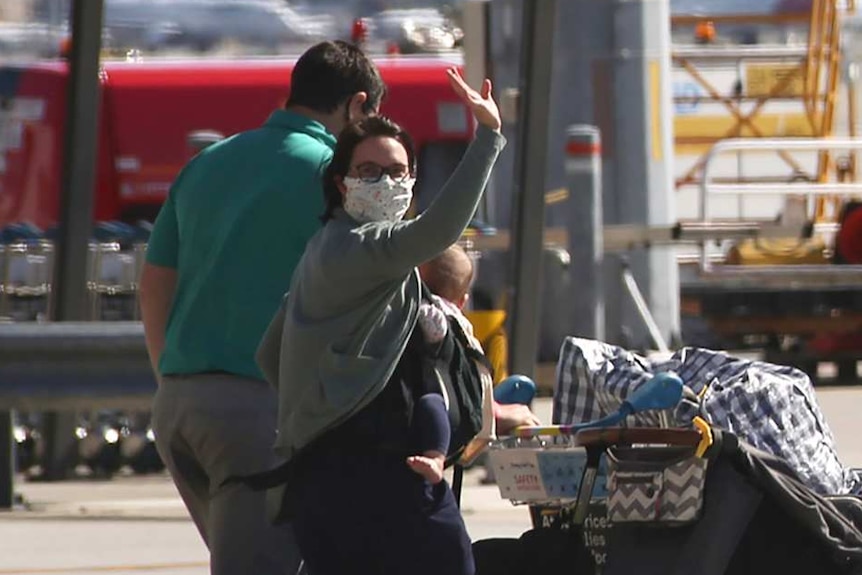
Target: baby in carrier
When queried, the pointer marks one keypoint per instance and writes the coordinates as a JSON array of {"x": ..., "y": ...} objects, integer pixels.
[{"x": 448, "y": 277}]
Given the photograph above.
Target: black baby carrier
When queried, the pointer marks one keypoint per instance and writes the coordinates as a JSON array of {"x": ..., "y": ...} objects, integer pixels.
[
  {"x": 453, "y": 367},
  {"x": 450, "y": 367}
]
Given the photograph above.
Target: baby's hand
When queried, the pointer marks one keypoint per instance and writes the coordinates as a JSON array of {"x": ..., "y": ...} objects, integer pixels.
[{"x": 433, "y": 323}]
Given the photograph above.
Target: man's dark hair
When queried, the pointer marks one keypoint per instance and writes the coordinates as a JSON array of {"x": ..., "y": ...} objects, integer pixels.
[
  {"x": 351, "y": 136},
  {"x": 329, "y": 73}
]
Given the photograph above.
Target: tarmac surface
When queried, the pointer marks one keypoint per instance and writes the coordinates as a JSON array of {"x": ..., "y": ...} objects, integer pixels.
[
  {"x": 134, "y": 525},
  {"x": 138, "y": 524},
  {"x": 131, "y": 525}
]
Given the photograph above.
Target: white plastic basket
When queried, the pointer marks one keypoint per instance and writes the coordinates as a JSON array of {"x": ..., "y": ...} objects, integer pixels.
[{"x": 542, "y": 473}]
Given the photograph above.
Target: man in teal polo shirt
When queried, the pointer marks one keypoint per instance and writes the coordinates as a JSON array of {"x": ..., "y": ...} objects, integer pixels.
[{"x": 220, "y": 258}]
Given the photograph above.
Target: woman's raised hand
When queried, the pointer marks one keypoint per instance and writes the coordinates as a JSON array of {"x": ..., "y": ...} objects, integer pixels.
[{"x": 482, "y": 104}]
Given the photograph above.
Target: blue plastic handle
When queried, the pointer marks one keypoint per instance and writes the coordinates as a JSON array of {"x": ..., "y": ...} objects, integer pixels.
[{"x": 515, "y": 389}]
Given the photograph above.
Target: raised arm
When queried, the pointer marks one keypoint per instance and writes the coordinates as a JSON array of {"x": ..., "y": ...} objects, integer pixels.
[{"x": 398, "y": 247}]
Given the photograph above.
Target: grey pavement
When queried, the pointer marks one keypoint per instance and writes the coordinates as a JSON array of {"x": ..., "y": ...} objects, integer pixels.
[
  {"x": 132, "y": 525},
  {"x": 154, "y": 497}
]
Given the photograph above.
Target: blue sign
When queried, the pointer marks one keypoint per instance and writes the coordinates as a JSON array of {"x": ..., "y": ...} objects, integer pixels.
[{"x": 692, "y": 91}]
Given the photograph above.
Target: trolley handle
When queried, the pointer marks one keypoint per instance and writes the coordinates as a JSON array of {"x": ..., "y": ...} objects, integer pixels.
[{"x": 605, "y": 437}]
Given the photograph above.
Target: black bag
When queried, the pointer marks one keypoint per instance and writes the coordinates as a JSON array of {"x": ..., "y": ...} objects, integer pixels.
[
  {"x": 455, "y": 364},
  {"x": 450, "y": 363},
  {"x": 536, "y": 551}
]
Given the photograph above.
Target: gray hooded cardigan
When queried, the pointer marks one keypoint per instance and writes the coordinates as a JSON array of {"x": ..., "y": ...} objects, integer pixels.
[{"x": 353, "y": 303}]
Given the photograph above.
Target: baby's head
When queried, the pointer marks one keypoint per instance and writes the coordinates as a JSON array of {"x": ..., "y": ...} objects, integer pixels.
[{"x": 449, "y": 275}]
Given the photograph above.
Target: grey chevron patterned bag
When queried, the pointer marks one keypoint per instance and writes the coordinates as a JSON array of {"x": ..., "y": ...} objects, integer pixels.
[{"x": 662, "y": 485}]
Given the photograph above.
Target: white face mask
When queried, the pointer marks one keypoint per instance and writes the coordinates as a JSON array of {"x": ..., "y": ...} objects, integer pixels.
[{"x": 384, "y": 200}]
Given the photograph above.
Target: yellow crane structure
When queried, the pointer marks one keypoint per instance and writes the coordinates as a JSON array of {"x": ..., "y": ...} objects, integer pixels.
[
  {"x": 794, "y": 98},
  {"x": 808, "y": 74}
]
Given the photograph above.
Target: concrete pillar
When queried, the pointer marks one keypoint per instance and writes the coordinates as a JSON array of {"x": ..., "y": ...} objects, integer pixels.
[
  {"x": 642, "y": 151},
  {"x": 585, "y": 303},
  {"x": 611, "y": 69}
]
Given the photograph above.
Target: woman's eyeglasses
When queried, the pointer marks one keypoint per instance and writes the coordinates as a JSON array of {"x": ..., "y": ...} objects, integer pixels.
[{"x": 371, "y": 173}]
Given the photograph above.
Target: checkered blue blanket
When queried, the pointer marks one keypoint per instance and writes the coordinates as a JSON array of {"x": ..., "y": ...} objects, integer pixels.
[{"x": 769, "y": 406}]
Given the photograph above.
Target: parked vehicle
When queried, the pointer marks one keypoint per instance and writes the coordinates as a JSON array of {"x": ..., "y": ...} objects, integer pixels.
[
  {"x": 150, "y": 109},
  {"x": 269, "y": 26}
]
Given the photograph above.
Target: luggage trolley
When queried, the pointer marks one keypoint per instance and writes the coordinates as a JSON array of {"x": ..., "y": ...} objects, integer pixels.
[
  {"x": 657, "y": 501},
  {"x": 26, "y": 265},
  {"x": 585, "y": 476}
]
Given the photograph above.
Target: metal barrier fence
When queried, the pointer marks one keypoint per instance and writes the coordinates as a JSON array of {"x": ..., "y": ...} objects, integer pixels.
[
  {"x": 95, "y": 376},
  {"x": 95, "y": 373}
]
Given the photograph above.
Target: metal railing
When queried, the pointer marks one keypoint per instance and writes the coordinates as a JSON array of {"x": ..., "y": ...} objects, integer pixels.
[
  {"x": 805, "y": 188},
  {"x": 74, "y": 365},
  {"x": 800, "y": 188},
  {"x": 68, "y": 367},
  {"x": 809, "y": 73},
  {"x": 733, "y": 53}
]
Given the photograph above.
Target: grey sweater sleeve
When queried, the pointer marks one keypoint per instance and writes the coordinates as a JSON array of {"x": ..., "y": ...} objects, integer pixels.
[{"x": 391, "y": 249}]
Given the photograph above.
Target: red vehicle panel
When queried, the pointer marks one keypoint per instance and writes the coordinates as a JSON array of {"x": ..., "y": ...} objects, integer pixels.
[{"x": 148, "y": 110}]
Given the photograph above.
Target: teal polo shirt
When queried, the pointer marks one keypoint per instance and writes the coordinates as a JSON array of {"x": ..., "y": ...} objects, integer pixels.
[{"x": 234, "y": 226}]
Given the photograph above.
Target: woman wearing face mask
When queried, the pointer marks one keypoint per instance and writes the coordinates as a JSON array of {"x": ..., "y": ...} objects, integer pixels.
[{"x": 365, "y": 493}]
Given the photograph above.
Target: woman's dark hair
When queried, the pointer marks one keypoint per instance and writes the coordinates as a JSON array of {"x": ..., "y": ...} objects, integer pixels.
[
  {"x": 351, "y": 136},
  {"x": 329, "y": 73}
]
